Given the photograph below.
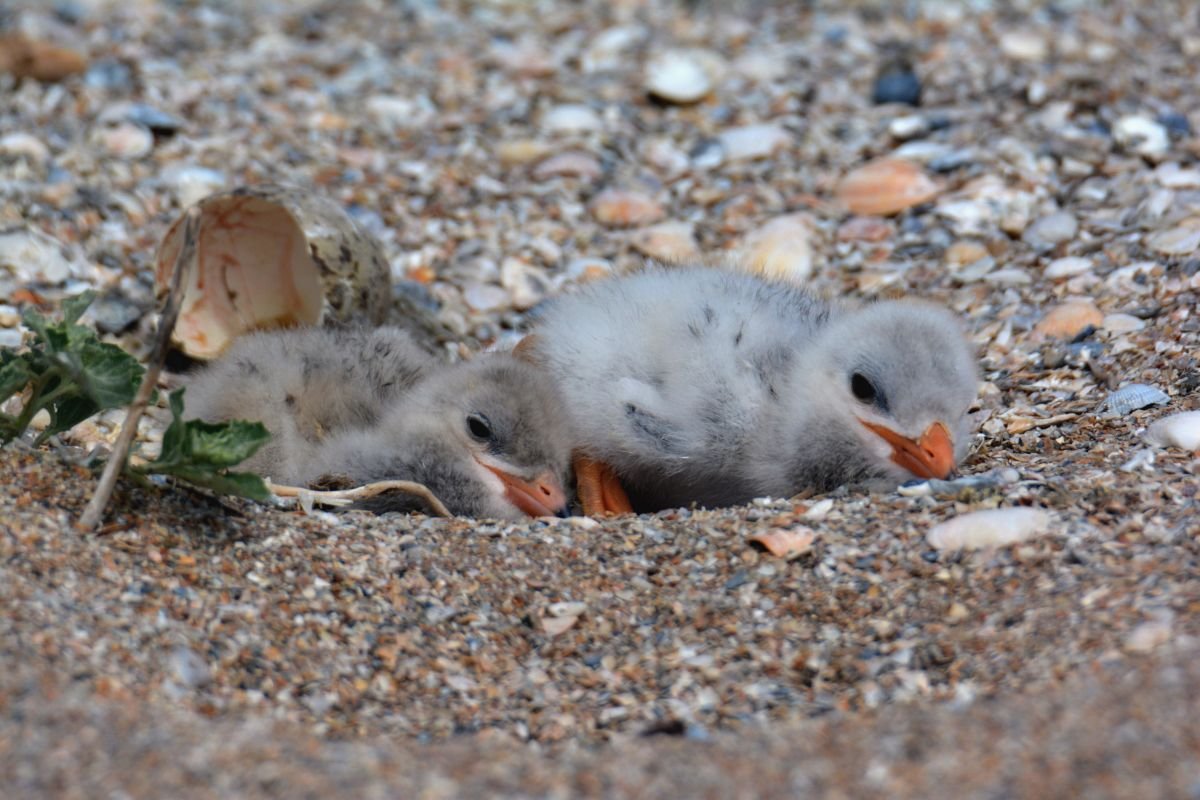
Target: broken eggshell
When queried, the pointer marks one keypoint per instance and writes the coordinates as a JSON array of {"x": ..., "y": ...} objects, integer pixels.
[{"x": 271, "y": 256}]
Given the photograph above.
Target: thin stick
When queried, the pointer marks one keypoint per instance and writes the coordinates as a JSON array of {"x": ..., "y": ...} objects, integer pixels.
[
  {"x": 158, "y": 355},
  {"x": 344, "y": 496}
]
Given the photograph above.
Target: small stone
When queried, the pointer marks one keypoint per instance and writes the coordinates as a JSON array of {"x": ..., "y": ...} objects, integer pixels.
[
  {"x": 33, "y": 257},
  {"x": 1172, "y": 176},
  {"x": 568, "y": 165},
  {"x": 1024, "y": 45},
  {"x": 897, "y": 83},
  {"x": 191, "y": 183},
  {"x": 1122, "y": 323},
  {"x": 1177, "y": 124},
  {"x": 189, "y": 669},
  {"x": 622, "y": 208},
  {"x": 908, "y": 127},
  {"x": 582, "y": 270},
  {"x": 672, "y": 242},
  {"x": 607, "y": 51},
  {"x": 11, "y": 337},
  {"x": 114, "y": 313},
  {"x": 664, "y": 155},
  {"x": 679, "y": 76},
  {"x": 782, "y": 249},
  {"x": 1068, "y": 320},
  {"x": 992, "y": 528},
  {"x": 485, "y": 296},
  {"x": 865, "y": 229},
  {"x": 1177, "y": 241},
  {"x": 149, "y": 117},
  {"x": 571, "y": 119},
  {"x": 1013, "y": 276},
  {"x": 527, "y": 285},
  {"x": 1066, "y": 267},
  {"x": 751, "y": 142},
  {"x": 1149, "y": 635},
  {"x": 24, "y": 145},
  {"x": 1142, "y": 135},
  {"x": 963, "y": 253},
  {"x": 124, "y": 140},
  {"x": 1051, "y": 230},
  {"x": 400, "y": 113},
  {"x": 522, "y": 151},
  {"x": 885, "y": 186},
  {"x": 1177, "y": 430}
]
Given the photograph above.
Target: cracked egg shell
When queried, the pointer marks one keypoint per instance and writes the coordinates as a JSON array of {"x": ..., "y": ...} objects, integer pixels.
[{"x": 271, "y": 256}]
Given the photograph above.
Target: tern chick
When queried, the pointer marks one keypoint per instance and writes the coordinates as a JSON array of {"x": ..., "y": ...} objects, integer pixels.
[
  {"x": 699, "y": 385},
  {"x": 487, "y": 437}
]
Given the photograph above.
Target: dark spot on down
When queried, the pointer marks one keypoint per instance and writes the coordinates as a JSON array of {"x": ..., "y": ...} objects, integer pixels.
[{"x": 290, "y": 400}]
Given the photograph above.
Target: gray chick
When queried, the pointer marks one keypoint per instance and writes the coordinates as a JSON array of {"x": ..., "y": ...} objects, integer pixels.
[
  {"x": 488, "y": 438},
  {"x": 699, "y": 385}
]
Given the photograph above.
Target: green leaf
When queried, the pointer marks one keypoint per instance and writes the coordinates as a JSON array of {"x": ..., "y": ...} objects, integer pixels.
[
  {"x": 73, "y": 307},
  {"x": 241, "y": 484},
  {"x": 15, "y": 374},
  {"x": 105, "y": 372},
  {"x": 198, "y": 452}
]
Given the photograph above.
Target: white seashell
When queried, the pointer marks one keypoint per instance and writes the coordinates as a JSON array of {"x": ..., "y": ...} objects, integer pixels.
[
  {"x": 678, "y": 76},
  {"x": 1131, "y": 398},
  {"x": 1141, "y": 135},
  {"x": 993, "y": 528},
  {"x": 1177, "y": 430}
]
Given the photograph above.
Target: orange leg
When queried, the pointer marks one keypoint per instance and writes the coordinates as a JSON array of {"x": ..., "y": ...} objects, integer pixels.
[{"x": 599, "y": 489}]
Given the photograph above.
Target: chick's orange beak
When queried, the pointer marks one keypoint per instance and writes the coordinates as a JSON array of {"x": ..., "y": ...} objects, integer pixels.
[
  {"x": 542, "y": 496},
  {"x": 931, "y": 456}
]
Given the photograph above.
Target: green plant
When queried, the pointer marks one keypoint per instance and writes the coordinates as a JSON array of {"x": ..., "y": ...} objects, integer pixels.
[{"x": 68, "y": 372}]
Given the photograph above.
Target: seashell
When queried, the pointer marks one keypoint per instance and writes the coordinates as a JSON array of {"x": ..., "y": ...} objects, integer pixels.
[
  {"x": 995, "y": 527},
  {"x": 786, "y": 543},
  {"x": 782, "y": 249},
  {"x": 271, "y": 256},
  {"x": 1178, "y": 430},
  {"x": 622, "y": 208},
  {"x": 1131, "y": 398},
  {"x": 751, "y": 142},
  {"x": 680, "y": 76},
  {"x": 672, "y": 242},
  {"x": 1068, "y": 320},
  {"x": 885, "y": 186}
]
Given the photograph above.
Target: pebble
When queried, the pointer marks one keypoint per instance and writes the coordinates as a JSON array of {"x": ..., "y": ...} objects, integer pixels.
[
  {"x": 782, "y": 249},
  {"x": 26, "y": 145},
  {"x": 582, "y": 270},
  {"x": 908, "y": 127},
  {"x": 1149, "y": 635},
  {"x": 1176, "y": 241},
  {"x": 995, "y": 527},
  {"x": 1171, "y": 176},
  {"x": 522, "y": 151},
  {"x": 672, "y": 242},
  {"x": 1142, "y": 135},
  {"x": 680, "y": 76},
  {"x": 569, "y": 165},
  {"x": 962, "y": 253},
  {"x": 1067, "y": 267},
  {"x": 1069, "y": 319},
  {"x": 618, "y": 207},
  {"x": 191, "y": 183},
  {"x": 24, "y": 57},
  {"x": 607, "y": 50},
  {"x": 1051, "y": 230},
  {"x": 124, "y": 140},
  {"x": 1177, "y": 430},
  {"x": 189, "y": 669},
  {"x": 485, "y": 296},
  {"x": 400, "y": 113},
  {"x": 1133, "y": 397},
  {"x": 897, "y": 84},
  {"x": 33, "y": 257},
  {"x": 149, "y": 117},
  {"x": 1024, "y": 45},
  {"x": 865, "y": 229},
  {"x": 527, "y": 285},
  {"x": 664, "y": 155},
  {"x": 1122, "y": 323},
  {"x": 114, "y": 313},
  {"x": 751, "y": 142},
  {"x": 572, "y": 118},
  {"x": 11, "y": 337},
  {"x": 884, "y": 187}
]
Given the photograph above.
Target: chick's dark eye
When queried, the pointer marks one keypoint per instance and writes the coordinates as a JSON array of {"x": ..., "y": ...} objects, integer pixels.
[
  {"x": 480, "y": 427},
  {"x": 862, "y": 387}
]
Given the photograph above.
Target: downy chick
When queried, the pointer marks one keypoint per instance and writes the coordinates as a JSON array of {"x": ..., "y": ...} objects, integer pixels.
[
  {"x": 698, "y": 385},
  {"x": 370, "y": 405}
]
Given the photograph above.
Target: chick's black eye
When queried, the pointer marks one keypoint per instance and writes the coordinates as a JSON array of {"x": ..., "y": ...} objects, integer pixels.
[
  {"x": 480, "y": 427},
  {"x": 862, "y": 387}
]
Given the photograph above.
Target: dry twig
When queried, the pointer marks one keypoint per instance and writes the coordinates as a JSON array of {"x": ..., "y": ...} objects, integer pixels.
[
  {"x": 342, "y": 497},
  {"x": 116, "y": 461}
]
